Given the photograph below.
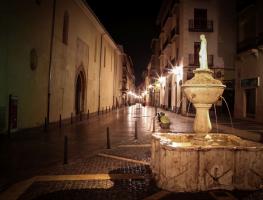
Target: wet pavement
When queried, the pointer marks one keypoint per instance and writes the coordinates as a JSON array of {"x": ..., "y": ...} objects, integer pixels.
[
  {"x": 27, "y": 152},
  {"x": 38, "y": 153}
]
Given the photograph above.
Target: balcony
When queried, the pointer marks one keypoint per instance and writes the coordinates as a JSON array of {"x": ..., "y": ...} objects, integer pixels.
[
  {"x": 200, "y": 25},
  {"x": 174, "y": 32},
  {"x": 167, "y": 41},
  {"x": 194, "y": 60}
]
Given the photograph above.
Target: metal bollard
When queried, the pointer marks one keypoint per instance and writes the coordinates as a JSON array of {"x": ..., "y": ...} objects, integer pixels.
[
  {"x": 71, "y": 118},
  {"x": 136, "y": 133},
  {"x": 108, "y": 138},
  {"x": 60, "y": 121},
  {"x": 65, "y": 150},
  {"x": 98, "y": 111}
]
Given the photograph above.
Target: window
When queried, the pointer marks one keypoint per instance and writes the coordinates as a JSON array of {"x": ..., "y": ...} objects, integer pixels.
[
  {"x": 196, "y": 53},
  {"x": 95, "y": 49},
  {"x": 33, "y": 59},
  {"x": 111, "y": 61},
  {"x": 65, "y": 28},
  {"x": 104, "y": 56},
  {"x": 200, "y": 18}
]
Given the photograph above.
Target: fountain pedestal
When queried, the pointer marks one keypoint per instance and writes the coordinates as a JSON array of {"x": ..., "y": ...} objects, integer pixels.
[
  {"x": 203, "y": 91},
  {"x": 202, "y": 122}
]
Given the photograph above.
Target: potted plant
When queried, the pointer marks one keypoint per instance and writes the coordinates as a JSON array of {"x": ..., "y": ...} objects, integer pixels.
[
  {"x": 159, "y": 116},
  {"x": 164, "y": 122}
]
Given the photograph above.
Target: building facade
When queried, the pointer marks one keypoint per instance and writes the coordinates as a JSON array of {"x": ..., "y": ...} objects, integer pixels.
[
  {"x": 249, "y": 61},
  {"x": 56, "y": 58},
  {"x": 128, "y": 79},
  {"x": 181, "y": 24},
  {"x": 153, "y": 71}
]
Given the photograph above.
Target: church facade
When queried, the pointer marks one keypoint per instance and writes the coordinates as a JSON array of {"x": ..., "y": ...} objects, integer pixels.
[{"x": 56, "y": 59}]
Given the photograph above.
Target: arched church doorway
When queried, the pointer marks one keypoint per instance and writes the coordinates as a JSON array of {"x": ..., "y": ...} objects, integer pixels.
[{"x": 80, "y": 92}]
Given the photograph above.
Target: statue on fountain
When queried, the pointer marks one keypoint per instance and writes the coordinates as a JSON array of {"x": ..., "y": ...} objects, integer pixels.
[
  {"x": 203, "y": 91},
  {"x": 203, "y": 53}
]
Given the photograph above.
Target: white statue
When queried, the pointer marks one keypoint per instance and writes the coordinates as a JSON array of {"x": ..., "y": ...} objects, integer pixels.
[{"x": 203, "y": 53}]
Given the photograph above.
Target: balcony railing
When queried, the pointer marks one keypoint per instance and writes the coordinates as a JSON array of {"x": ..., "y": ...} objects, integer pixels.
[
  {"x": 200, "y": 25},
  {"x": 194, "y": 60},
  {"x": 166, "y": 43},
  {"x": 174, "y": 32}
]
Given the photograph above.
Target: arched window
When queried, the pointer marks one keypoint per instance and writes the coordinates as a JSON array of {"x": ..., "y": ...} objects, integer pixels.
[{"x": 65, "y": 28}]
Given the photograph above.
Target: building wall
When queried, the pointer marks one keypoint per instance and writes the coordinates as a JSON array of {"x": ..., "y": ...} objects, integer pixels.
[
  {"x": 27, "y": 30},
  {"x": 249, "y": 61},
  {"x": 220, "y": 43},
  {"x": 89, "y": 50},
  {"x": 3, "y": 63},
  {"x": 249, "y": 67}
]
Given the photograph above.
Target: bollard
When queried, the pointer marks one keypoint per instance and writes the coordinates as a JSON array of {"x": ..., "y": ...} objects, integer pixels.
[
  {"x": 136, "y": 133},
  {"x": 60, "y": 121},
  {"x": 71, "y": 118},
  {"x": 153, "y": 124},
  {"x": 45, "y": 125},
  {"x": 88, "y": 115},
  {"x": 65, "y": 150},
  {"x": 98, "y": 111},
  {"x": 108, "y": 138}
]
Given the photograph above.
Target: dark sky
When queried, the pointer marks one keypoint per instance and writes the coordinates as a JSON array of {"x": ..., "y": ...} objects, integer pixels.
[{"x": 131, "y": 23}]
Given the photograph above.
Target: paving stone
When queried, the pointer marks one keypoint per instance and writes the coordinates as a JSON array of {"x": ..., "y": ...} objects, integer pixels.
[
  {"x": 102, "y": 189},
  {"x": 136, "y": 153}
]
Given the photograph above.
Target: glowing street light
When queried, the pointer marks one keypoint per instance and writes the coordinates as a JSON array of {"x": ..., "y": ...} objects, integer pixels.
[
  {"x": 150, "y": 86},
  {"x": 161, "y": 80}
]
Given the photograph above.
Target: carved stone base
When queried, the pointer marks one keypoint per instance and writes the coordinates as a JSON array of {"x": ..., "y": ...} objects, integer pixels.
[{"x": 200, "y": 162}]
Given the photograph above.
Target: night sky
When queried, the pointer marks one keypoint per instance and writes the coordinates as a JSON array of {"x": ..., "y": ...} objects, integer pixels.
[{"x": 131, "y": 23}]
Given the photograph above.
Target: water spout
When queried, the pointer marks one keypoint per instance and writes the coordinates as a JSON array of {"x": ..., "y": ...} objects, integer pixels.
[
  {"x": 188, "y": 108},
  {"x": 216, "y": 118},
  {"x": 177, "y": 110},
  {"x": 228, "y": 112}
]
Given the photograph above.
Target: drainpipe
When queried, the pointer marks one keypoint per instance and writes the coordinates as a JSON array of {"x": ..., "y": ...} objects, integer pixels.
[
  {"x": 101, "y": 37},
  {"x": 50, "y": 59}
]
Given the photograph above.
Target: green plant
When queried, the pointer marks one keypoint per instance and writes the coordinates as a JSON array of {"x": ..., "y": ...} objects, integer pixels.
[{"x": 164, "y": 119}]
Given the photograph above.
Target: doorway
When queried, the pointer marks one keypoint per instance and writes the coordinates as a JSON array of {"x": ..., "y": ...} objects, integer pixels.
[
  {"x": 250, "y": 102},
  {"x": 80, "y": 93},
  {"x": 196, "y": 53}
]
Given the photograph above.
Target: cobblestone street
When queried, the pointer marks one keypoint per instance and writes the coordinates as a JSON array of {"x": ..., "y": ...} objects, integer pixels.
[{"x": 94, "y": 172}]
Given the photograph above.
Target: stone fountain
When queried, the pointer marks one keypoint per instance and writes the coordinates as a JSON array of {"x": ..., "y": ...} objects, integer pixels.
[{"x": 203, "y": 160}]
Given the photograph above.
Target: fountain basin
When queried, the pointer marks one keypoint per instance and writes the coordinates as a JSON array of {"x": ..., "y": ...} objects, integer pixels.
[
  {"x": 203, "y": 93},
  {"x": 200, "y": 162}
]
